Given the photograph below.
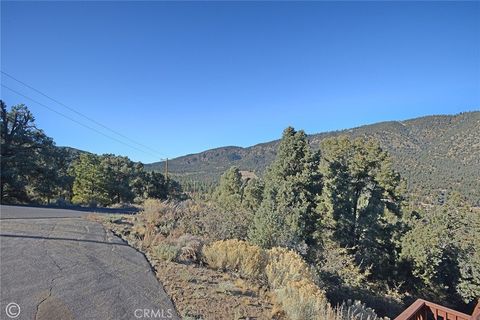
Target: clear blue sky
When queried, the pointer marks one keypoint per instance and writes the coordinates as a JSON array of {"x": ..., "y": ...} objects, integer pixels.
[{"x": 184, "y": 77}]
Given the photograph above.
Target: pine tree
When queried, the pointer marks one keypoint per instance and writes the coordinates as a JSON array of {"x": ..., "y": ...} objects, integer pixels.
[
  {"x": 118, "y": 172},
  {"x": 252, "y": 194},
  {"x": 442, "y": 247},
  {"x": 360, "y": 201},
  {"x": 90, "y": 185},
  {"x": 28, "y": 158},
  {"x": 286, "y": 215},
  {"x": 229, "y": 192}
]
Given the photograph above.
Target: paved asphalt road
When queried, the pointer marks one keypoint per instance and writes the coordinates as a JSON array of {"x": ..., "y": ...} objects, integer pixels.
[{"x": 54, "y": 264}]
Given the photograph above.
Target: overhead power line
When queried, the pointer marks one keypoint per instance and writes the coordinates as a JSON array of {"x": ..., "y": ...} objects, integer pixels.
[
  {"x": 80, "y": 123},
  {"x": 82, "y": 114}
]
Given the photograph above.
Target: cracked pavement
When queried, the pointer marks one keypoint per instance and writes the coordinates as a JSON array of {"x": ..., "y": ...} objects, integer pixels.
[{"x": 56, "y": 265}]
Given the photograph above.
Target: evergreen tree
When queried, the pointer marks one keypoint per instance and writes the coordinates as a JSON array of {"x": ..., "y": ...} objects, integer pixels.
[
  {"x": 442, "y": 247},
  {"x": 28, "y": 167},
  {"x": 229, "y": 192},
  {"x": 51, "y": 179},
  {"x": 360, "y": 202},
  {"x": 90, "y": 184},
  {"x": 138, "y": 182},
  {"x": 286, "y": 215},
  {"x": 252, "y": 194},
  {"x": 468, "y": 240},
  {"x": 118, "y": 172},
  {"x": 157, "y": 186}
]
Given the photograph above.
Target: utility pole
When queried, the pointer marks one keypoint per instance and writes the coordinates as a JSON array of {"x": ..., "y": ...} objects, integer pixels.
[{"x": 166, "y": 169}]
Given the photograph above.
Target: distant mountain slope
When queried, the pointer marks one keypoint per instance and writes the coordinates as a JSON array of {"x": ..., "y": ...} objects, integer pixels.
[{"x": 436, "y": 154}]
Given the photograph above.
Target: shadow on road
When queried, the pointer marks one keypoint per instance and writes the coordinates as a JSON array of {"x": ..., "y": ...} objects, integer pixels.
[
  {"x": 39, "y": 218},
  {"x": 131, "y": 210},
  {"x": 60, "y": 239}
]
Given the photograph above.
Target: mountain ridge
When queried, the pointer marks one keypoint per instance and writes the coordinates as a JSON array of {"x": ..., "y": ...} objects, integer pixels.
[{"x": 436, "y": 153}]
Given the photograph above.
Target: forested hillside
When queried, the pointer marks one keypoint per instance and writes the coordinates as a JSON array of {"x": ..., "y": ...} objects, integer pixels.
[
  {"x": 434, "y": 154},
  {"x": 35, "y": 170}
]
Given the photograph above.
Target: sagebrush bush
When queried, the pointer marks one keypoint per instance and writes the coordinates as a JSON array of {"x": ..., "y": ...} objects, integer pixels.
[
  {"x": 190, "y": 248},
  {"x": 294, "y": 285},
  {"x": 152, "y": 206},
  {"x": 286, "y": 266},
  {"x": 356, "y": 310},
  {"x": 162, "y": 216},
  {"x": 194, "y": 217},
  {"x": 302, "y": 299},
  {"x": 291, "y": 279},
  {"x": 166, "y": 252},
  {"x": 236, "y": 255},
  {"x": 215, "y": 223}
]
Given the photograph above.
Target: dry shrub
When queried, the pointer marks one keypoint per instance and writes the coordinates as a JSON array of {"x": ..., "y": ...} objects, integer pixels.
[
  {"x": 158, "y": 227},
  {"x": 356, "y": 310},
  {"x": 287, "y": 274},
  {"x": 162, "y": 216},
  {"x": 146, "y": 232},
  {"x": 339, "y": 266},
  {"x": 138, "y": 231},
  {"x": 294, "y": 285},
  {"x": 165, "y": 252},
  {"x": 190, "y": 248},
  {"x": 152, "y": 206},
  {"x": 236, "y": 255},
  {"x": 194, "y": 217},
  {"x": 286, "y": 266},
  {"x": 303, "y": 300},
  {"x": 211, "y": 222}
]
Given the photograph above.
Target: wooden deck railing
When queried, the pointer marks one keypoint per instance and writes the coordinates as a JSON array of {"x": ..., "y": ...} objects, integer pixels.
[
  {"x": 476, "y": 311},
  {"x": 426, "y": 310}
]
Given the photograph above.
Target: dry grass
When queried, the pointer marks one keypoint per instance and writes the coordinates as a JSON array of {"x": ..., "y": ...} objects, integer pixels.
[{"x": 238, "y": 256}]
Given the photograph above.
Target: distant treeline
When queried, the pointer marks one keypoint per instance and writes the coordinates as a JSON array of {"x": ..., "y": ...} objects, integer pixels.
[{"x": 35, "y": 170}]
